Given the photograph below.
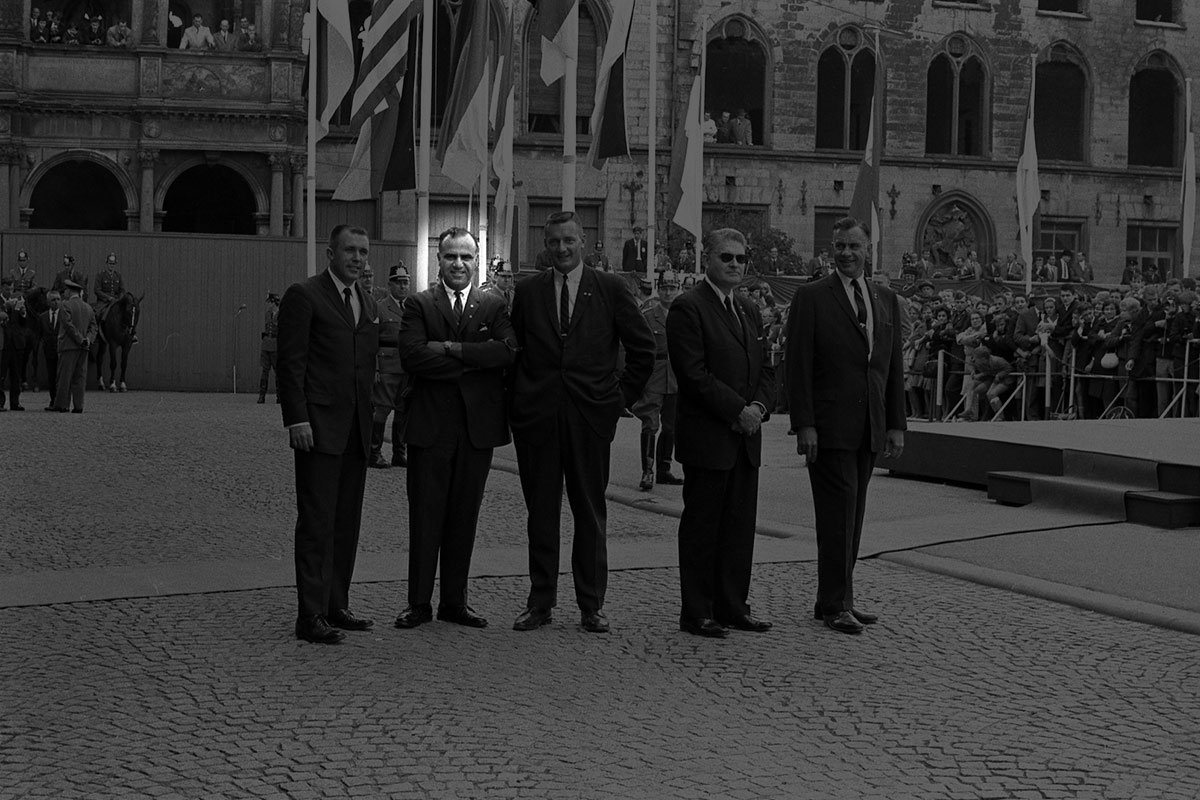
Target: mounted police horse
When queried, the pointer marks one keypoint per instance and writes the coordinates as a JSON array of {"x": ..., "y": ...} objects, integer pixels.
[
  {"x": 35, "y": 304},
  {"x": 119, "y": 331}
]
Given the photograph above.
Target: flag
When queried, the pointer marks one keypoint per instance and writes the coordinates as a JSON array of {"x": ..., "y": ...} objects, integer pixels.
[
  {"x": 335, "y": 60},
  {"x": 1188, "y": 196},
  {"x": 685, "y": 191},
  {"x": 864, "y": 205},
  {"x": 1029, "y": 192},
  {"x": 558, "y": 23},
  {"x": 384, "y": 102},
  {"x": 609, "y": 134},
  {"x": 502, "y": 111},
  {"x": 463, "y": 139}
]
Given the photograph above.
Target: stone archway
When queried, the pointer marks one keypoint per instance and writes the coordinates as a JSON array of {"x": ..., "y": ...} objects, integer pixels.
[
  {"x": 953, "y": 224},
  {"x": 79, "y": 194},
  {"x": 210, "y": 198}
]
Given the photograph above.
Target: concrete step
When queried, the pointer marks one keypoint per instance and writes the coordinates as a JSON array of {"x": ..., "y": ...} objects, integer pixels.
[
  {"x": 1181, "y": 478},
  {"x": 1133, "y": 473},
  {"x": 1163, "y": 509},
  {"x": 1095, "y": 498}
]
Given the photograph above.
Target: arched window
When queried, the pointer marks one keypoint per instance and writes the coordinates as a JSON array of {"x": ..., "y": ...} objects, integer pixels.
[
  {"x": 845, "y": 86},
  {"x": 956, "y": 107},
  {"x": 736, "y": 81},
  {"x": 1060, "y": 106},
  {"x": 1154, "y": 113},
  {"x": 79, "y": 195},
  {"x": 544, "y": 103},
  {"x": 210, "y": 199}
]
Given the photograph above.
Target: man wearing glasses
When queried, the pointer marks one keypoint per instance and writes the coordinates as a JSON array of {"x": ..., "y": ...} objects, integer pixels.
[
  {"x": 715, "y": 340},
  {"x": 566, "y": 398}
]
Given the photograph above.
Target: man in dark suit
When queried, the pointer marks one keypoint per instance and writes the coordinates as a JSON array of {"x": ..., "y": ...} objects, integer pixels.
[
  {"x": 456, "y": 342},
  {"x": 328, "y": 338},
  {"x": 76, "y": 332},
  {"x": 565, "y": 400},
  {"x": 715, "y": 337},
  {"x": 49, "y": 323},
  {"x": 845, "y": 384},
  {"x": 635, "y": 252}
]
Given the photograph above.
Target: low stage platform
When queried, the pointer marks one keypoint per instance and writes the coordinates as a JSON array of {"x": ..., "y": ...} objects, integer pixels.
[{"x": 1145, "y": 471}]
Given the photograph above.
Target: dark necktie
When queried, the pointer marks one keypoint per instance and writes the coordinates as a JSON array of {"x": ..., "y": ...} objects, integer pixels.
[
  {"x": 564, "y": 307},
  {"x": 349, "y": 305},
  {"x": 729, "y": 306},
  {"x": 458, "y": 308},
  {"x": 860, "y": 303}
]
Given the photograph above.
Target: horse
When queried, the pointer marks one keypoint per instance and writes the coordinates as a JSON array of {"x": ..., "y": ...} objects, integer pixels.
[
  {"x": 118, "y": 332},
  {"x": 35, "y": 304}
]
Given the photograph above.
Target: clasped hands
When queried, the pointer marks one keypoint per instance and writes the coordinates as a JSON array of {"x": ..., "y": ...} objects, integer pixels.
[
  {"x": 453, "y": 349},
  {"x": 806, "y": 444},
  {"x": 749, "y": 420}
]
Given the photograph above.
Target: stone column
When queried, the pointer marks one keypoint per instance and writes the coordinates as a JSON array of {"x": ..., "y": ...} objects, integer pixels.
[
  {"x": 146, "y": 219},
  {"x": 6, "y": 158},
  {"x": 278, "y": 161},
  {"x": 265, "y": 22},
  {"x": 299, "y": 212},
  {"x": 14, "y": 155}
]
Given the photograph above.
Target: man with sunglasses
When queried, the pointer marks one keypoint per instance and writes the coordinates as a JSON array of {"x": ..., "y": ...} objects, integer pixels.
[
  {"x": 845, "y": 384},
  {"x": 565, "y": 400},
  {"x": 725, "y": 386}
]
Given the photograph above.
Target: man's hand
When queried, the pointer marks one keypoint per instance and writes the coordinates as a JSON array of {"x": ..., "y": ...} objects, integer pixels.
[
  {"x": 749, "y": 420},
  {"x": 894, "y": 445},
  {"x": 806, "y": 444},
  {"x": 301, "y": 437}
]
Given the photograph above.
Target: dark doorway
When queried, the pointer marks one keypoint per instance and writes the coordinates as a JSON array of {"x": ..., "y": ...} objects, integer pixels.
[
  {"x": 1059, "y": 111},
  {"x": 736, "y": 79},
  {"x": 79, "y": 195},
  {"x": 209, "y": 199},
  {"x": 1153, "y": 95}
]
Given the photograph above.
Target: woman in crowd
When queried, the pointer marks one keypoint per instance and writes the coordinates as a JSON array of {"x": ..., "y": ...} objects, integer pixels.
[{"x": 969, "y": 338}]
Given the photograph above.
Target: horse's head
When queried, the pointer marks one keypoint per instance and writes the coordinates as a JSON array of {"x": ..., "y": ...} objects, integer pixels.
[{"x": 35, "y": 300}]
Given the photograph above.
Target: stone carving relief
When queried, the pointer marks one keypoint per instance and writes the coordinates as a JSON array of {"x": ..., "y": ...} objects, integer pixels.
[
  {"x": 152, "y": 129},
  {"x": 225, "y": 80},
  {"x": 950, "y": 233},
  {"x": 151, "y": 75},
  {"x": 8, "y": 65}
]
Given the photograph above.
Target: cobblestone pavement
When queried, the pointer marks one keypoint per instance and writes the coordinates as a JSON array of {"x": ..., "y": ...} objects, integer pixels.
[{"x": 963, "y": 691}]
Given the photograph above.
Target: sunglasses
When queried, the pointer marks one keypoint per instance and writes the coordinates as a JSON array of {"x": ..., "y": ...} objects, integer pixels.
[{"x": 727, "y": 257}]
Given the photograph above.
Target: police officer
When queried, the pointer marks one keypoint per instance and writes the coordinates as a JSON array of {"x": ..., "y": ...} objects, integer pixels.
[
  {"x": 24, "y": 275},
  {"x": 645, "y": 295},
  {"x": 366, "y": 282},
  {"x": 70, "y": 273},
  {"x": 270, "y": 346},
  {"x": 656, "y": 408},
  {"x": 109, "y": 288},
  {"x": 387, "y": 394},
  {"x": 502, "y": 281}
]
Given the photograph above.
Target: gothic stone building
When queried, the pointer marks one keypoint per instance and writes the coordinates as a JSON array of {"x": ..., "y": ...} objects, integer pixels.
[{"x": 154, "y": 138}]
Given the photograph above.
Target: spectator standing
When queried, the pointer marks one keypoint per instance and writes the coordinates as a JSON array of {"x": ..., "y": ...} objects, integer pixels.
[
  {"x": 118, "y": 35},
  {"x": 743, "y": 129},
  {"x": 17, "y": 336},
  {"x": 41, "y": 32},
  {"x": 268, "y": 349},
  {"x": 77, "y": 331},
  {"x": 635, "y": 252},
  {"x": 708, "y": 128},
  {"x": 820, "y": 266},
  {"x": 95, "y": 35},
  {"x": 598, "y": 259},
  {"x": 49, "y": 326},
  {"x": 72, "y": 37},
  {"x": 725, "y": 129},
  {"x": 198, "y": 36},
  {"x": 249, "y": 41},
  {"x": 226, "y": 39},
  {"x": 656, "y": 407}
]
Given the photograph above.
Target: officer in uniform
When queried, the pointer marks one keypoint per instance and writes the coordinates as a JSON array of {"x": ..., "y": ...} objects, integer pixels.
[
  {"x": 24, "y": 275},
  {"x": 109, "y": 288},
  {"x": 502, "y": 281},
  {"x": 645, "y": 296},
  {"x": 656, "y": 408},
  {"x": 598, "y": 259},
  {"x": 366, "y": 282},
  {"x": 70, "y": 273},
  {"x": 390, "y": 382},
  {"x": 268, "y": 351}
]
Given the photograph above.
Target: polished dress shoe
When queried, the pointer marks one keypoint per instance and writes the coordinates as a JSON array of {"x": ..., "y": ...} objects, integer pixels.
[
  {"x": 378, "y": 462},
  {"x": 864, "y": 617},
  {"x": 843, "y": 622},
  {"x": 533, "y": 618},
  {"x": 647, "y": 481},
  {"x": 703, "y": 627},
  {"x": 344, "y": 618},
  {"x": 594, "y": 621},
  {"x": 745, "y": 622},
  {"x": 316, "y": 630},
  {"x": 399, "y": 460},
  {"x": 667, "y": 479},
  {"x": 413, "y": 616},
  {"x": 461, "y": 615},
  {"x": 18, "y": 408}
]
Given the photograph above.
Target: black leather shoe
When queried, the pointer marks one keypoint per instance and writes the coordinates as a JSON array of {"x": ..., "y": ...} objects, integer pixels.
[
  {"x": 344, "y": 618},
  {"x": 862, "y": 616},
  {"x": 399, "y": 460},
  {"x": 316, "y": 630},
  {"x": 18, "y": 408},
  {"x": 461, "y": 615},
  {"x": 594, "y": 621},
  {"x": 378, "y": 462},
  {"x": 746, "y": 622},
  {"x": 843, "y": 622},
  {"x": 647, "y": 481},
  {"x": 533, "y": 618},
  {"x": 667, "y": 479},
  {"x": 413, "y": 616},
  {"x": 703, "y": 627}
]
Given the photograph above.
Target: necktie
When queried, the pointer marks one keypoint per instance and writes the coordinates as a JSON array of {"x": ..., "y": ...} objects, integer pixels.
[
  {"x": 349, "y": 305},
  {"x": 732, "y": 310},
  {"x": 458, "y": 308},
  {"x": 564, "y": 307},
  {"x": 860, "y": 303}
]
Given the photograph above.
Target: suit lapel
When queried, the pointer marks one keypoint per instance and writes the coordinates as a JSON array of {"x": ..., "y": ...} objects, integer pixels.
[
  {"x": 338, "y": 300},
  {"x": 583, "y": 298},
  {"x": 839, "y": 290},
  {"x": 722, "y": 312},
  {"x": 550, "y": 301},
  {"x": 442, "y": 301}
]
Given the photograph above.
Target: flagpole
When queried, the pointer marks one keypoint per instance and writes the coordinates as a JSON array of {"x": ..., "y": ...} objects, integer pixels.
[
  {"x": 698, "y": 245},
  {"x": 1187, "y": 219},
  {"x": 423, "y": 149},
  {"x": 1025, "y": 214},
  {"x": 652, "y": 157},
  {"x": 481, "y": 257},
  {"x": 570, "y": 105},
  {"x": 310, "y": 172}
]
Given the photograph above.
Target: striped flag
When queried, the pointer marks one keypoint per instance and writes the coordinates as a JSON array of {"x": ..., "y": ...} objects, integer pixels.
[
  {"x": 610, "y": 137},
  {"x": 335, "y": 60},
  {"x": 558, "y": 23},
  {"x": 685, "y": 192},
  {"x": 502, "y": 112},
  {"x": 1187, "y": 201},
  {"x": 1029, "y": 191},
  {"x": 463, "y": 140},
  {"x": 383, "y": 104},
  {"x": 865, "y": 203}
]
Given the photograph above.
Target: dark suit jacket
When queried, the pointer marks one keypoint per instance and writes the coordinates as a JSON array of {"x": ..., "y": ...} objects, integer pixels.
[
  {"x": 831, "y": 385},
  {"x": 579, "y": 367},
  {"x": 634, "y": 255},
  {"x": 720, "y": 370},
  {"x": 326, "y": 362},
  {"x": 49, "y": 333},
  {"x": 77, "y": 324},
  {"x": 438, "y": 380}
]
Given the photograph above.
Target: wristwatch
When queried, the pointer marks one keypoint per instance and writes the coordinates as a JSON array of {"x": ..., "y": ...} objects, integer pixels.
[{"x": 446, "y": 346}]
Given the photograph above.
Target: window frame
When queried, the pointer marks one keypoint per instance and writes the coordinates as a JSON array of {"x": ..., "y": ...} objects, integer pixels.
[
  {"x": 971, "y": 52},
  {"x": 1172, "y": 251},
  {"x": 848, "y": 55}
]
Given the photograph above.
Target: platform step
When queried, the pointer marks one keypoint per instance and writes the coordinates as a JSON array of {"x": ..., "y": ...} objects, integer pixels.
[
  {"x": 1091, "y": 497},
  {"x": 1163, "y": 509},
  {"x": 1180, "y": 478},
  {"x": 1133, "y": 473}
]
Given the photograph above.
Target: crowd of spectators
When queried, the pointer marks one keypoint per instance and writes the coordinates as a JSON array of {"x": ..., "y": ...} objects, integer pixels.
[
  {"x": 1066, "y": 267},
  {"x": 728, "y": 128},
  {"x": 53, "y": 29}
]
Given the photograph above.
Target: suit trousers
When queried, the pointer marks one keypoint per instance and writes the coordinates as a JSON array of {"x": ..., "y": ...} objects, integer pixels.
[
  {"x": 72, "y": 375},
  {"x": 445, "y": 491},
  {"x": 566, "y": 450},
  {"x": 716, "y": 539},
  {"x": 839, "y": 481},
  {"x": 51, "y": 372},
  {"x": 11, "y": 361},
  {"x": 329, "y": 495}
]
